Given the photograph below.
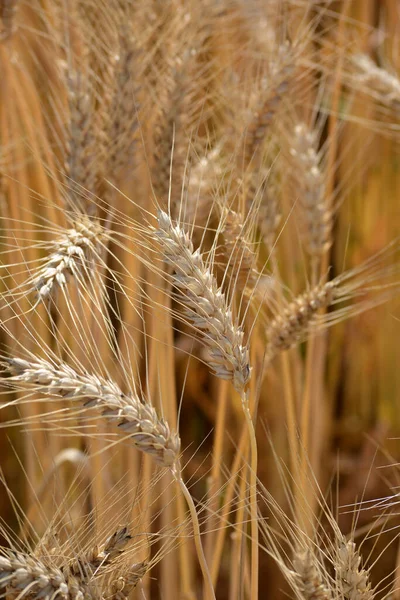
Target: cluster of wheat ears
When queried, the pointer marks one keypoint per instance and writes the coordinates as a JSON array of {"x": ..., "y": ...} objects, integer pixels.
[{"x": 193, "y": 193}]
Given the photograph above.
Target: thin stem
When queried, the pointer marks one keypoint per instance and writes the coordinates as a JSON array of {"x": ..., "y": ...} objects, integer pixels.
[
  {"x": 210, "y": 594},
  {"x": 252, "y": 498}
]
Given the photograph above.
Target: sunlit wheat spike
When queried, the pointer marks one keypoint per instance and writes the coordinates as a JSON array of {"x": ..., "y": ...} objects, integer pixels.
[
  {"x": 74, "y": 254},
  {"x": 352, "y": 578},
  {"x": 379, "y": 82},
  {"x": 308, "y": 578},
  {"x": 309, "y": 181},
  {"x": 25, "y": 576},
  {"x": 206, "y": 306},
  {"x": 138, "y": 419},
  {"x": 8, "y": 9}
]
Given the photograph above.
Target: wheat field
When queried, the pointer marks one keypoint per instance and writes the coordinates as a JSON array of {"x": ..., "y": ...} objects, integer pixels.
[{"x": 199, "y": 302}]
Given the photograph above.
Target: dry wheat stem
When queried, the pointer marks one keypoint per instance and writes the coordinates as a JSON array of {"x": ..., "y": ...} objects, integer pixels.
[
  {"x": 128, "y": 412},
  {"x": 206, "y": 306}
]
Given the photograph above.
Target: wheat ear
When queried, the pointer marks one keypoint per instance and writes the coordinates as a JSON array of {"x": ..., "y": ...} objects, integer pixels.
[
  {"x": 98, "y": 558},
  {"x": 22, "y": 575},
  {"x": 148, "y": 432},
  {"x": 288, "y": 327},
  {"x": 375, "y": 275},
  {"x": 240, "y": 252},
  {"x": 84, "y": 138},
  {"x": 308, "y": 579},
  {"x": 310, "y": 190},
  {"x": 352, "y": 579},
  {"x": 122, "y": 120},
  {"x": 206, "y": 306},
  {"x": 73, "y": 254},
  {"x": 267, "y": 102}
]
